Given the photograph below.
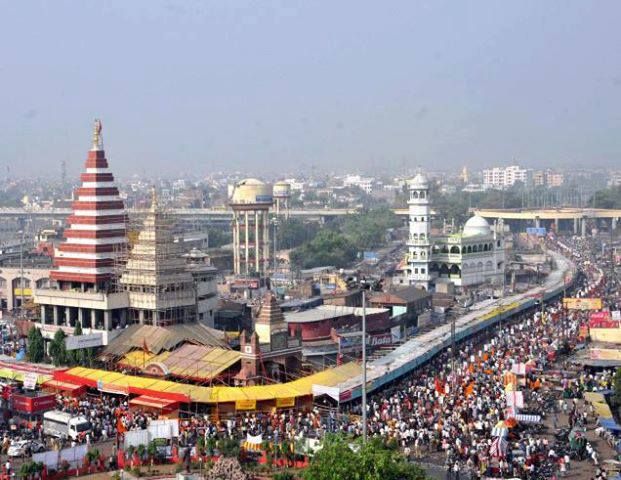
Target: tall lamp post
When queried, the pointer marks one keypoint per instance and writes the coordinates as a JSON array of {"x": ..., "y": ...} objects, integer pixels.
[{"x": 364, "y": 365}]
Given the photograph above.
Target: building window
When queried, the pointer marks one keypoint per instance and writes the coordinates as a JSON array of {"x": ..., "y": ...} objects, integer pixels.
[
  {"x": 416, "y": 270},
  {"x": 422, "y": 270}
]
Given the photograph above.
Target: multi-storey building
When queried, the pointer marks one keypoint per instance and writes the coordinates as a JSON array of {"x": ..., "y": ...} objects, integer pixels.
[
  {"x": 97, "y": 285},
  {"x": 548, "y": 178},
  {"x": 81, "y": 290},
  {"x": 161, "y": 290},
  {"x": 503, "y": 177}
]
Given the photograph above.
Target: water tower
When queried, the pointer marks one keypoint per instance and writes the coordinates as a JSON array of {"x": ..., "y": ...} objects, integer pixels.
[
  {"x": 250, "y": 201},
  {"x": 282, "y": 198}
]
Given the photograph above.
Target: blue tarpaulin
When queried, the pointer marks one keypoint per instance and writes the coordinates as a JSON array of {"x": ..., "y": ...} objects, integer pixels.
[{"x": 609, "y": 424}]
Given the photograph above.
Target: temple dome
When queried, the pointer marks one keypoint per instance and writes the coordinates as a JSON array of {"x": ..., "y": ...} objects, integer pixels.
[{"x": 476, "y": 226}]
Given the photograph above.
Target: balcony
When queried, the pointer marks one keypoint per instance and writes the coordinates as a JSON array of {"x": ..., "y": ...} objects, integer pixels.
[
  {"x": 80, "y": 299},
  {"x": 447, "y": 257}
]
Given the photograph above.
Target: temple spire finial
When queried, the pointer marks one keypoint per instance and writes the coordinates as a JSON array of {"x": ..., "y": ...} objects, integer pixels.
[{"x": 97, "y": 137}]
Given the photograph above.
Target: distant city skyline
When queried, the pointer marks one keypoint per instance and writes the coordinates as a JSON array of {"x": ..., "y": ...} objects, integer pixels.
[{"x": 188, "y": 88}]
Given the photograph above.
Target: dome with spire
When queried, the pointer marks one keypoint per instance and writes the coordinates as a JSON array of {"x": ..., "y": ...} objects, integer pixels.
[{"x": 475, "y": 226}]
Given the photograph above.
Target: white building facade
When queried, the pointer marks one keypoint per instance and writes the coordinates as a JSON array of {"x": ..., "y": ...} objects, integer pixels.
[
  {"x": 419, "y": 247},
  {"x": 471, "y": 257},
  {"x": 504, "y": 177}
]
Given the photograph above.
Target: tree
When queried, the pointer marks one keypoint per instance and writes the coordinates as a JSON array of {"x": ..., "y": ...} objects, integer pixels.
[
  {"x": 36, "y": 345},
  {"x": 371, "y": 461},
  {"x": 368, "y": 229},
  {"x": 58, "y": 348},
  {"x": 607, "y": 198},
  {"x": 294, "y": 232},
  {"x": 327, "y": 248},
  {"x": 81, "y": 356}
]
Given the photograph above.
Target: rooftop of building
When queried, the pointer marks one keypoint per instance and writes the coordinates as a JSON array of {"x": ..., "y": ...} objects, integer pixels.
[
  {"x": 154, "y": 339},
  {"x": 397, "y": 294},
  {"x": 327, "y": 312}
]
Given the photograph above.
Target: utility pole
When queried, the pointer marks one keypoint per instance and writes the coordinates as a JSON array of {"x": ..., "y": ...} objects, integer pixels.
[
  {"x": 612, "y": 254},
  {"x": 364, "y": 366},
  {"x": 21, "y": 274},
  {"x": 453, "y": 376},
  {"x": 275, "y": 222}
]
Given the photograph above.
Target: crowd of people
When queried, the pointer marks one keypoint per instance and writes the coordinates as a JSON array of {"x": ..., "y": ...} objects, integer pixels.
[{"x": 458, "y": 410}]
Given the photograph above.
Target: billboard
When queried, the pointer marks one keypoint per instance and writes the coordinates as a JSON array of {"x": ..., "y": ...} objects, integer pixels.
[
  {"x": 76, "y": 342},
  {"x": 582, "y": 303},
  {"x": 379, "y": 340},
  {"x": 33, "y": 404}
]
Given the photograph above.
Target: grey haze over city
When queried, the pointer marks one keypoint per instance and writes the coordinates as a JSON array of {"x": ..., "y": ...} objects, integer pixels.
[{"x": 290, "y": 86}]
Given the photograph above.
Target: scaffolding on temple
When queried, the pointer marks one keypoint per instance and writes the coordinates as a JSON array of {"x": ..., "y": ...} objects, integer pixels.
[{"x": 153, "y": 272}]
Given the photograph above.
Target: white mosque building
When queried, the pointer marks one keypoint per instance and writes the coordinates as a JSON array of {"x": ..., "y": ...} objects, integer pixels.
[{"x": 473, "y": 256}]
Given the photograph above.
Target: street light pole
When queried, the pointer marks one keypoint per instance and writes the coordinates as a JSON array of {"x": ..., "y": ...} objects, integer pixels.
[
  {"x": 21, "y": 274},
  {"x": 364, "y": 366}
]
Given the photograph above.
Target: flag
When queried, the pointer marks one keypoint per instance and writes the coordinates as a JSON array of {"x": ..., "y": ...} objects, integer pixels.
[
  {"x": 469, "y": 390},
  {"x": 120, "y": 426},
  {"x": 439, "y": 386}
]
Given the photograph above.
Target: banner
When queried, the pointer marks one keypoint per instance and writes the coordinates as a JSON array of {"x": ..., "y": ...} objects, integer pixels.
[
  {"x": 163, "y": 428},
  {"x": 30, "y": 380},
  {"x": 602, "y": 320},
  {"x": 515, "y": 399},
  {"x": 245, "y": 404},
  {"x": 582, "y": 303},
  {"x": 75, "y": 456},
  {"x": 285, "y": 402},
  {"x": 76, "y": 342},
  {"x": 133, "y": 438}
]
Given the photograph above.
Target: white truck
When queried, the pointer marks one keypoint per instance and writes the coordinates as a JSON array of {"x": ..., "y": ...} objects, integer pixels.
[{"x": 64, "y": 425}]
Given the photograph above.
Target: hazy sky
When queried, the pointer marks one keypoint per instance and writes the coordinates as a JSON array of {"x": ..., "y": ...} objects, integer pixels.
[{"x": 196, "y": 86}]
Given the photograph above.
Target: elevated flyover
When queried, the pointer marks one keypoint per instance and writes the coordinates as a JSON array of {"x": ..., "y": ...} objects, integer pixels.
[
  {"x": 214, "y": 215},
  {"x": 552, "y": 216}
]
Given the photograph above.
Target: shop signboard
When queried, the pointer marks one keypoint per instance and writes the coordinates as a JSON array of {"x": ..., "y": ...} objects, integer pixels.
[
  {"x": 30, "y": 380},
  {"x": 77, "y": 342},
  {"x": 582, "y": 303},
  {"x": 245, "y": 404},
  {"x": 379, "y": 340}
]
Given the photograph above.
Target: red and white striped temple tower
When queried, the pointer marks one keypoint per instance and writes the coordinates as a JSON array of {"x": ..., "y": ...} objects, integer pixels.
[
  {"x": 85, "y": 262},
  {"x": 97, "y": 227}
]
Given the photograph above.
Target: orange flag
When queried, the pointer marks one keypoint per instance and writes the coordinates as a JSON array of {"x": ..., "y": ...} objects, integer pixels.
[
  {"x": 120, "y": 427},
  {"x": 469, "y": 390}
]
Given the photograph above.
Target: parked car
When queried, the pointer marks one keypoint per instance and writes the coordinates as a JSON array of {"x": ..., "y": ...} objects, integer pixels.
[{"x": 21, "y": 448}]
